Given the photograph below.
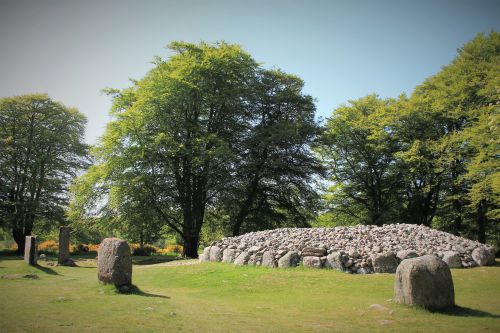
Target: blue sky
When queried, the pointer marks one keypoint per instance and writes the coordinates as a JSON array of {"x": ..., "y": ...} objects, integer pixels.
[{"x": 342, "y": 49}]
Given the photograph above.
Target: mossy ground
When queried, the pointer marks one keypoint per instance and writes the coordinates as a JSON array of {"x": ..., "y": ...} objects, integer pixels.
[{"x": 216, "y": 297}]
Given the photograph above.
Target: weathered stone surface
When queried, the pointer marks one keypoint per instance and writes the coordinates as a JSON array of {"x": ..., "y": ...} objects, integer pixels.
[
  {"x": 268, "y": 259},
  {"x": 313, "y": 252},
  {"x": 114, "y": 263},
  {"x": 64, "y": 238},
  {"x": 384, "y": 263},
  {"x": 242, "y": 258},
  {"x": 452, "y": 259},
  {"x": 356, "y": 245},
  {"x": 406, "y": 254},
  {"x": 424, "y": 281},
  {"x": 312, "y": 262},
  {"x": 206, "y": 254},
  {"x": 334, "y": 260},
  {"x": 290, "y": 259},
  {"x": 228, "y": 255},
  {"x": 483, "y": 256},
  {"x": 30, "y": 250},
  {"x": 215, "y": 253}
]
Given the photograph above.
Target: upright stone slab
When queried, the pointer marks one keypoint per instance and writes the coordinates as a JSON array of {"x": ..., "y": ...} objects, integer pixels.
[
  {"x": 30, "y": 250},
  {"x": 64, "y": 235},
  {"x": 114, "y": 263},
  {"x": 424, "y": 281}
]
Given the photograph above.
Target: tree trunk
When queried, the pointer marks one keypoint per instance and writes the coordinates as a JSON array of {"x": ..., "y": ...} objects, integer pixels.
[
  {"x": 19, "y": 238},
  {"x": 190, "y": 249},
  {"x": 481, "y": 221}
]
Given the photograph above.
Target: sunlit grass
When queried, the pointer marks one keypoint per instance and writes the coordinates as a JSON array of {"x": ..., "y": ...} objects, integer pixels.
[{"x": 222, "y": 298}]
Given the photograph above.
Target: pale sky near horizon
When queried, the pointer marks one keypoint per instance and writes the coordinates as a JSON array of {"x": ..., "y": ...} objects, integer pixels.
[{"x": 343, "y": 50}]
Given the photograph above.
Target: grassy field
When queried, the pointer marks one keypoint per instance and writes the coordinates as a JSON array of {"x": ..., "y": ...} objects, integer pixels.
[{"x": 218, "y": 297}]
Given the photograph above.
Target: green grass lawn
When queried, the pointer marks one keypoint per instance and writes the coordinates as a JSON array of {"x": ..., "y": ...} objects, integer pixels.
[{"x": 219, "y": 297}]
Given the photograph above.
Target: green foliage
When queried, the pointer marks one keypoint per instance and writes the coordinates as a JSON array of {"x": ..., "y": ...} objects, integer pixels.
[
  {"x": 41, "y": 150},
  {"x": 428, "y": 159}
]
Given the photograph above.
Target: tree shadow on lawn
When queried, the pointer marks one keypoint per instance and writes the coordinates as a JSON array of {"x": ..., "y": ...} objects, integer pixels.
[
  {"x": 46, "y": 270},
  {"x": 459, "y": 311},
  {"x": 134, "y": 290},
  {"x": 139, "y": 260}
]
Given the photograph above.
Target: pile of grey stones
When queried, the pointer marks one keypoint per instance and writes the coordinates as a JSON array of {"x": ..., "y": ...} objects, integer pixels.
[{"x": 361, "y": 249}]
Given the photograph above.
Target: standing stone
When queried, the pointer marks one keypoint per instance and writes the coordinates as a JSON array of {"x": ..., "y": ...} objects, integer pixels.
[
  {"x": 384, "y": 263},
  {"x": 452, "y": 259},
  {"x": 206, "y": 254},
  {"x": 268, "y": 259},
  {"x": 483, "y": 256},
  {"x": 242, "y": 259},
  {"x": 114, "y": 263},
  {"x": 291, "y": 259},
  {"x": 424, "y": 281},
  {"x": 30, "y": 250},
  {"x": 228, "y": 255},
  {"x": 311, "y": 262},
  {"x": 215, "y": 253},
  {"x": 334, "y": 260},
  {"x": 64, "y": 235}
]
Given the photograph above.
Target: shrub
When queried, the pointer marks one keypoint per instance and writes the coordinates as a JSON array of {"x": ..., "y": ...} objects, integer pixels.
[
  {"x": 170, "y": 249},
  {"x": 145, "y": 250},
  {"x": 48, "y": 247}
]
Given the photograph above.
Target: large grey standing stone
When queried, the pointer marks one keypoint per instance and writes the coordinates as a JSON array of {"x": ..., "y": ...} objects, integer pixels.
[
  {"x": 483, "y": 256},
  {"x": 384, "y": 263},
  {"x": 452, "y": 259},
  {"x": 30, "y": 250},
  {"x": 64, "y": 237},
  {"x": 290, "y": 259},
  {"x": 334, "y": 260},
  {"x": 268, "y": 259},
  {"x": 215, "y": 253},
  {"x": 312, "y": 262},
  {"x": 114, "y": 263},
  {"x": 424, "y": 281},
  {"x": 228, "y": 255},
  {"x": 206, "y": 254},
  {"x": 242, "y": 258}
]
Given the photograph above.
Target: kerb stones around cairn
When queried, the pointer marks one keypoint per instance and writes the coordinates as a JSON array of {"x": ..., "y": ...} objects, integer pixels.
[
  {"x": 483, "y": 256},
  {"x": 30, "y": 250},
  {"x": 312, "y": 262},
  {"x": 290, "y": 259},
  {"x": 206, "y": 254},
  {"x": 424, "y": 281},
  {"x": 64, "y": 238},
  {"x": 228, "y": 255},
  {"x": 384, "y": 263},
  {"x": 313, "y": 252},
  {"x": 268, "y": 259},
  {"x": 114, "y": 263},
  {"x": 215, "y": 253}
]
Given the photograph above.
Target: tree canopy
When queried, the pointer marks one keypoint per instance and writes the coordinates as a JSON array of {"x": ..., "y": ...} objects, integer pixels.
[{"x": 41, "y": 150}]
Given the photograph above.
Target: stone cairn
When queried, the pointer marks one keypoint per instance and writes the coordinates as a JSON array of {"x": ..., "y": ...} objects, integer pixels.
[
  {"x": 360, "y": 249},
  {"x": 30, "y": 250},
  {"x": 114, "y": 263},
  {"x": 64, "y": 238}
]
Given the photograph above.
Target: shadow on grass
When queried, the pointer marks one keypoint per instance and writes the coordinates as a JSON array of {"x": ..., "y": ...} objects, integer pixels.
[
  {"x": 136, "y": 260},
  {"x": 134, "y": 290},
  {"x": 459, "y": 311},
  {"x": 46, "y": 270}
]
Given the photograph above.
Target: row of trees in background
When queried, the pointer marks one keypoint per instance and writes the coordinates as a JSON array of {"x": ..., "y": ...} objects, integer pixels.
[
  {"x": 209, "y": 141},
  {"x": 431, "y": 158}
]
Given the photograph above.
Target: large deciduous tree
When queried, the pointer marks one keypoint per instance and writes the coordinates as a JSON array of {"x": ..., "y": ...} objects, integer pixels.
[
  {"x": 41, "y": 150},
  {"x": 190, "y": 137}
]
